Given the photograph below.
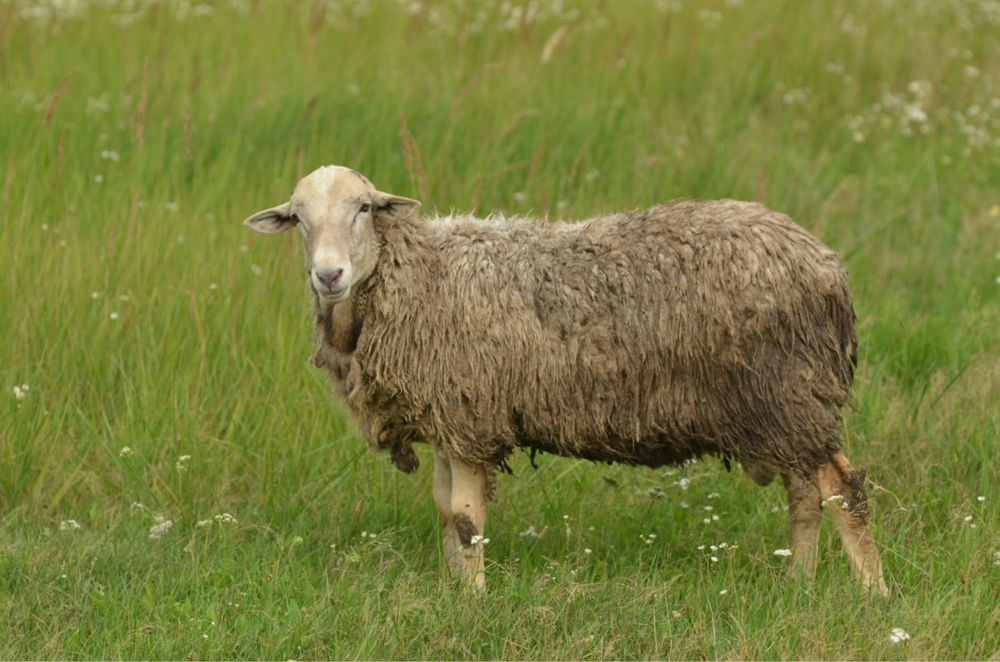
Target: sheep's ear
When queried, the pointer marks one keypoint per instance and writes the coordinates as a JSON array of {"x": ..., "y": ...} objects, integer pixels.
[
  {"x": 275, "y": 219},
  {"x": 394, "y": 206}
]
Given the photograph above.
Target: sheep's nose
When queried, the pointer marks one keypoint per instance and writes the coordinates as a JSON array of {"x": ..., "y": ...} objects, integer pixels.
[{"x": 329, "y": 278}]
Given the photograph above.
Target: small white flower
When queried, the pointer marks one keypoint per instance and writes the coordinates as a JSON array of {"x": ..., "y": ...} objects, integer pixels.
[
  {"x": 713, "y": 495},
  {"x": 675, "y": 614},
  {"x": 20, "y": 393},
  {"x": 782, "y": 552},
  {"x": 980, "y": 498},
  {"x": 256, "y": 270},
  {"x": 707, "y": 509},
  {"x": 520, "y": 196},
  {"x": 98, "y": 178},
  {"x": 95, "y": 295},
  {"x": 109, "y": 154},
  {"x": 713, "y": 559},
  {"x": 996, "y": 558},
  {"x": 898, "y": 635},
  {"x": 968, "y": 518},
  {"x": 213, "y": 286},
  {"x": 724, "y": 591},
  {"x": 587, "y": 550},
  {"x": 478, "y": 540},
  {"x": 714, "y": 548},
  {"x": 701, "y": 547},
  {"x": 125, "y": 451},
  {"x": 202, "y": 523},
  {"x": 529, "y": 533},
  {"x": 715, "y": 518},
  {"x": 707, "y": 521},
  {"x": 114, "y": 315},
  {"x": 159, "y": 529},
  {"x": 69, "y": 525},
  {"x": 226, "y": 518},
  {"x": 683, "y": 483}
]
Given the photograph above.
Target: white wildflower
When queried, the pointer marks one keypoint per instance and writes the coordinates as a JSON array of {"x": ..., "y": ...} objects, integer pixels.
[
  {"x": 675, "y": 614},
  {"x": 256, "y": 270},
  {"x": 69, "y": 525},
  {"x": 203, "y": 523},
  {"x": 159, "y": 529},
  {"x": 95, "y": 295},
  {"x": 980, "y": 498},
  {"x": 713, "y": 559},
  {"x": 713, "y": 495},
  {"x": 226, "y": 518},
  {"x": 114, "y": 315},
  {"x": 529, "y": 533},
  {"x": 724, "y": 591},
  {"x": 110, "y": 155},
  {"x": 478, "y": 540},
  {"x": 683, "y": 483},
  {"x": 98, "y": 178},
  {"x": 125, "y": 451},
  {"x": 587, "y": 550},
  {"x": 898, "y": 635},
  {"x": 782, "y": 552}
]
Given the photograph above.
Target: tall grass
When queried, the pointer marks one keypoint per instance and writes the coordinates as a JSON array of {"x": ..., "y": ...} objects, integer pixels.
[{"x": 135, "y": 136}]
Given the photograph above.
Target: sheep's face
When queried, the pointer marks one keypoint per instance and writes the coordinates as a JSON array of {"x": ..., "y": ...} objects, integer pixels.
[{"x": 334, "y": 209}]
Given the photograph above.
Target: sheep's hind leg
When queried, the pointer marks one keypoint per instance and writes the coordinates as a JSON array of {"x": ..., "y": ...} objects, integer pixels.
[
  {"x": 442, "y": 501},
  {"x": 469, "y": 486},
  {"x": 805, "y": 516},
  {"x": 842, "y": 489}
]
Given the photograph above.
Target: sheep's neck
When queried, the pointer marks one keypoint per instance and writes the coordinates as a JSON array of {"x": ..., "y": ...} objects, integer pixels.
[{"x": 340, "y": 326}]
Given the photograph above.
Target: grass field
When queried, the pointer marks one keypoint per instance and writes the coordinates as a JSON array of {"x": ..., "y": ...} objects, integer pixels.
[{"x": 159, "y": 350}]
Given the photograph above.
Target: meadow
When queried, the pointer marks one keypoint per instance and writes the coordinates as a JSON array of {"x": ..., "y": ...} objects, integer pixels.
[{"x": 175, "y": 479}]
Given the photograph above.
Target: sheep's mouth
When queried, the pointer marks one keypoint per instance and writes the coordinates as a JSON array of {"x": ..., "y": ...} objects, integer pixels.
[{"x": 338, "y": 295}]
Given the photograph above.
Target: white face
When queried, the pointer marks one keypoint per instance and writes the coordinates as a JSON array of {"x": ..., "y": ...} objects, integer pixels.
[{"x": 334, "y": 209}]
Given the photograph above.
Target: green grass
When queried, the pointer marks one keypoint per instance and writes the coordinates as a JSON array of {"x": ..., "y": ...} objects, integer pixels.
[{"x": 204, "y": 119}]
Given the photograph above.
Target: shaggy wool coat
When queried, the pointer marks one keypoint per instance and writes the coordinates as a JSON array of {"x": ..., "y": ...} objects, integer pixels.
[{"x": 646, "y": 338}]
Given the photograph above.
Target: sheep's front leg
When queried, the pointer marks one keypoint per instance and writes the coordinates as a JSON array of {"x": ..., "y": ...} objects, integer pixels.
[
  {"x": 442, "y": 501},
  {"x": 468, "y": 511}
]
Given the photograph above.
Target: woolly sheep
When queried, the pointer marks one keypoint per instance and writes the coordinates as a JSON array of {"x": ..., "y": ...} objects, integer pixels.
[{"x": 647, "y": 338}]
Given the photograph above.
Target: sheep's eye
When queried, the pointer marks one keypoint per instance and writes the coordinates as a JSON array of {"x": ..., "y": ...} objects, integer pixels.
[{"x": 365, "y": 208}]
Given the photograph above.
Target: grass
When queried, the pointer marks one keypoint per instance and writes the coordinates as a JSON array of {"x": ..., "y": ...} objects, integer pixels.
[{"x": 133, "y": 140}]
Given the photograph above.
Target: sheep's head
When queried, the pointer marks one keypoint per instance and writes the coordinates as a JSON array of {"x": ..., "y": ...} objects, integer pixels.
[{"x": 334, "y": 209}]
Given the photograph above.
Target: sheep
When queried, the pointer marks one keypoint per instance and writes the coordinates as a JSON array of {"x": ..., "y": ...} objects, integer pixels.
[{"x": 645, "y": 338}]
